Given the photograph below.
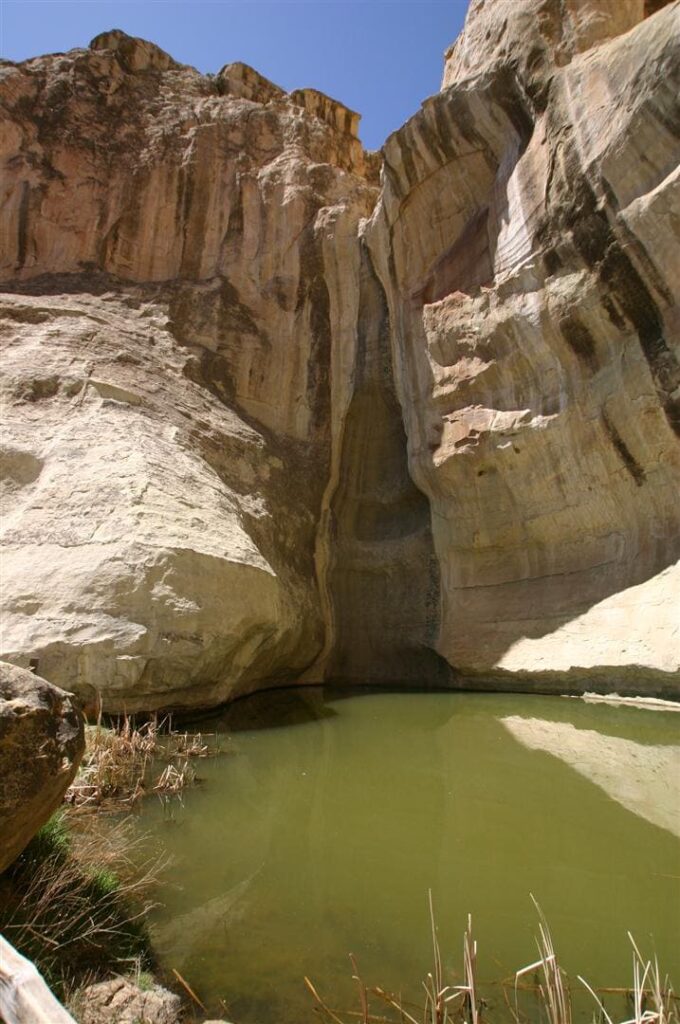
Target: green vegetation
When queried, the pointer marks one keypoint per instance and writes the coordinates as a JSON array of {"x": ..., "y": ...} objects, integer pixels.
[
  {"x": 75, "y": 903},
  {"x": 145, "y": 981},
  {"x": 53, "y": 840}
]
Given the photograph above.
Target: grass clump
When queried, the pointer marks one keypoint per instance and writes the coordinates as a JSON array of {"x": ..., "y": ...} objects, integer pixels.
[
  {"x": 52, "y": 840},
  {"x": 75, "y": 902},
  {"x": 121, "y": 759},
  {"x": 144, "y": 981},
  {"x": 103, "y": 883}
]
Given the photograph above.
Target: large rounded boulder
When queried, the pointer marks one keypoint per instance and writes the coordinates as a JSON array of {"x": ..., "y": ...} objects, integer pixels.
[{"x": 42, "y": 740}]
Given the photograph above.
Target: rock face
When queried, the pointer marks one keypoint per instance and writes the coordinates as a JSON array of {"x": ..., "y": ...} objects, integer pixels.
[
  {"x": 121, "y": 1001},
  {"x": 41, "y": 742},
  {"x": 184, "y": 270},
  {"x": 268, "y": 422},
  {"x": 535, "y": 326}
]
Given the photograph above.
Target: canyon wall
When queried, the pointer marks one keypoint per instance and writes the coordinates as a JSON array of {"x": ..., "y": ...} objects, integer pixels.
[
  {"x": 181, "y": 270},
  {"x": 278, "y": 409},
  {"x": 527, "y": 240}
]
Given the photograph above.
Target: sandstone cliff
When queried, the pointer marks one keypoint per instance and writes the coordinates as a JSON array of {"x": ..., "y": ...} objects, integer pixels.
[
  {"x": 527, "y": 239},
  {"x": 184, "y": 271},
  {"x": 267, "y": 422}
]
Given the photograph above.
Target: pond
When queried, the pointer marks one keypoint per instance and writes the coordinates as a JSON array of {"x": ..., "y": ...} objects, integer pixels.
[{"x": 322, "y": 830}]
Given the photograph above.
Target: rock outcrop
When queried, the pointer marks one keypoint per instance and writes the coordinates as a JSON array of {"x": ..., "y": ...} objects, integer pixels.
[
  {"x": 268, "y": 422},
  {"x": 535, "y": 325},
  {"x": 41, "y": 742},
  {"x": 184, "y": 269}
]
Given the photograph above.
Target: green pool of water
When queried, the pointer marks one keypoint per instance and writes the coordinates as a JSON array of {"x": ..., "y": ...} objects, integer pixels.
[{"x": 322, "y": 831}]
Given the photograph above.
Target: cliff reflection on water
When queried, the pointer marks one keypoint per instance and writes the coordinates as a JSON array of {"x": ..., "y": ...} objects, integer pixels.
[{"x": 322, "y": 832}]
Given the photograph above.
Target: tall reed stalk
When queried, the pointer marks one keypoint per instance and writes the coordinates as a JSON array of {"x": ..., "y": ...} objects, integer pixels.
[
  {"x": 553, "y": 991},
  {"x": 652, "y": 999},
  {"x": 651, "y": 996}
]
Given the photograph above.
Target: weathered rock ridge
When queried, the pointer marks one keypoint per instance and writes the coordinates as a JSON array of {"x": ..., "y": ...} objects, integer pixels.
[
  {"x": 272, "y": 419},
  {"x": 183, "y": 259}
]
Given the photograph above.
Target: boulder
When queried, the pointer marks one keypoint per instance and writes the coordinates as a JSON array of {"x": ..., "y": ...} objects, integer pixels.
[
  {"x": 122, "y": 1001},
  {"x": 41, "y": 742}
]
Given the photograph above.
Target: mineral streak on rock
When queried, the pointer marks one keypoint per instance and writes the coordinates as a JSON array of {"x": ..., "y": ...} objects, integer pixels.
[{"x": 268, "y": 421}]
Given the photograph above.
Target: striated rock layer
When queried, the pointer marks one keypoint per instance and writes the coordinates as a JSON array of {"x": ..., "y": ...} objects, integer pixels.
[
  {"x": 184, "y": 271},
  {"x": 528, "y": 242},
  {"x": 268, "y": 422}
]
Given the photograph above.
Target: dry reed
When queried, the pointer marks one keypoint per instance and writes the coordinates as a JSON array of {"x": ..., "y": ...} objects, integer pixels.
[
  {"x": 652, "y": 999},
  {"x": 119, "y": 760},
  {"x": 651, "y": 996},
  {"x": 553, "y": 990}
]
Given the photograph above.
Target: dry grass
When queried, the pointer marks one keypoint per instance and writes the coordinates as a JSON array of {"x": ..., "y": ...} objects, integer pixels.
[
  {"x": 76, "y": 902},
  {"x": 651, "y": 997},
  {"x": 119, "y": 761},
  {"x": 173, "y": 780},
  {"x": 443, "y": 1004},
  {"x": 77, "y": 899},
  {"x": 553, "y": 989}
]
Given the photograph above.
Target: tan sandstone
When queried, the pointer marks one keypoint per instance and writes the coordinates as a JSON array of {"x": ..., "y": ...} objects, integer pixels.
[
  {"x": 261, "y": 430},
  {"x": 41, "y": 742},
  {"x": 178, "y": 249},
  {"x": 535, "y": 329}
]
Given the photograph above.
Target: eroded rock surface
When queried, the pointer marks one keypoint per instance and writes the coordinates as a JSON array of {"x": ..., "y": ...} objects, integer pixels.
[
  {"x": 535, "y": 324},
  {"x": 262, "y": 430},
  {"x": 41, "y": 742},
  {"x": 122, "y": 1001},
  {"x": 182, "y": 260}
]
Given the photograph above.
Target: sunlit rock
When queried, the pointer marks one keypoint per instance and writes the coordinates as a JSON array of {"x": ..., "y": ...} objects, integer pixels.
[
  {"x": 527, "y": 242},
  {"x": 260, "y": 429}
]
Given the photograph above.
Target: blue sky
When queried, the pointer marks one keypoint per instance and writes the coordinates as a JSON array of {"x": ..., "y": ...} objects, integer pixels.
[{"x": 380, "y": 58}]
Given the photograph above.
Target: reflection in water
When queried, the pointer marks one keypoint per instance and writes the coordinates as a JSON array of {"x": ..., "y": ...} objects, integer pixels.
[
  {"x": 644, "y": 779},
  {"x": 323, "y": 836}
]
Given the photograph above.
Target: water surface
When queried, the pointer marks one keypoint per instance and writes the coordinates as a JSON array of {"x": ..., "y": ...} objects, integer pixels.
[{"x": 321, "y": 833}]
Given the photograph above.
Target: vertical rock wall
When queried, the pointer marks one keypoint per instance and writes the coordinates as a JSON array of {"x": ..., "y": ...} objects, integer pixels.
[
  {"x": 535, "y": 327},
  {"x": 260, "y": 429},
  {"x": 179, "y": 254},
  {"x": 383, "y": 576}
]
